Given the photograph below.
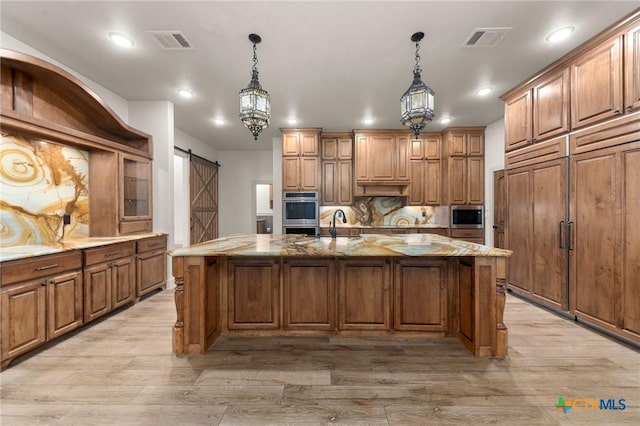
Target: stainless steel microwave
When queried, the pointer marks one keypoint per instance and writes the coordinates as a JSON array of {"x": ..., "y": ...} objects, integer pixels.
[
  {"x": 300, "y": 209},
  {"x": 467, "y": 217}
]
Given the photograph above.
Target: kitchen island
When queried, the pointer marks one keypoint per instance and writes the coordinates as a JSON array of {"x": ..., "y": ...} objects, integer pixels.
[{"x": 370, "y": 285}]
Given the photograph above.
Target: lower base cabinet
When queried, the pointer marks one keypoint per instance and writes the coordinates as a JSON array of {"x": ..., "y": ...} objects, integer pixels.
[
  {"x": 108, "y": 285},
  {"x": 254, "y": 294},
  {"x": 45, "y": 297},
  {"x": 309, "y": 289},
  {"x": 470, "y": 235},
  {"x": 420, "y": 295},
  {"x": 151, "y": 264},
  {"x": 364, "y": 294},
  {"x": 36, "y": 311}
]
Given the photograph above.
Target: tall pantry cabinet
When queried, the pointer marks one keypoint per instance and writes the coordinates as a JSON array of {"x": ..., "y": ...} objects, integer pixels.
[{"x": 573, "y": 191}]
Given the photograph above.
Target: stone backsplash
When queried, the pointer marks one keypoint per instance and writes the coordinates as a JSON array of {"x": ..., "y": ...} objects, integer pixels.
[
  {"x": 40, "y": 183},
  {"x": 387, "y": 211}
]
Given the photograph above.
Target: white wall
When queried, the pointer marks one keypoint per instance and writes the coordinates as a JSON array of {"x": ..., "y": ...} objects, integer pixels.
[
  {"x": 277, "y": 185},
  {"x": 185, "y": 141},
  {"x": 118, "y": 104},
  {"x": 156, "y": 118},
  {"x": 263, "y": 205},
  {"x": 239, "y": 172},
  {"x": 493, "y": 160}
]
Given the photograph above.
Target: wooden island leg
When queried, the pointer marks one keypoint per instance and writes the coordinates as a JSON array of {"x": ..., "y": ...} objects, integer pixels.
[
  {"x": 178, "y": 328},
  {"x": 501, "y": 287}
]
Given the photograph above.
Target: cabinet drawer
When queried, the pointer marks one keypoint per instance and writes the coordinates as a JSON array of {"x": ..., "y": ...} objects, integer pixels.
[
  {"x": 153, "y": 243},
  {"x": 41, "y": 266},
  {"x": 467, "y": 233},
  {"x": 107, "y": 253},
  {"x": 135, "y": 227}
]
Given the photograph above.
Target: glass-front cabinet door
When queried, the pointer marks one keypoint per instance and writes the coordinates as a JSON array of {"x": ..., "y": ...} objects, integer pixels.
[{"x": 135, "y": 194}]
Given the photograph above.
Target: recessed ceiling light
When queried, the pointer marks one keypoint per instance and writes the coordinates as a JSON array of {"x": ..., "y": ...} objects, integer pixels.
[
  {"x": 368, "y": 120},
  {"x": 121, "y": 40},
  {"x": 484, "y": 91},
  {"x": 185, "y": 93},
  {"x": 559, "y": 35},
  {"x": 219, "y": 121},
  {"x": 292, "y": 121},
  {"x": 445, "y": 120}
]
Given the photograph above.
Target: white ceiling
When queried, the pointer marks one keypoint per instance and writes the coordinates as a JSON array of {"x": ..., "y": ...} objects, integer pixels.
[{"x": 329, "y": 64}]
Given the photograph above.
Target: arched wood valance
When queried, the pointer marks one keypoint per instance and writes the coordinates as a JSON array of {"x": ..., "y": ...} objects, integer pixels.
[{"x": 41, "y": 99}]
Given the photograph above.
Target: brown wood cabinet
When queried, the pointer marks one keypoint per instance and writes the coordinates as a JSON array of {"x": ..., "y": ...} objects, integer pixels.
[
  {"x": 300, "y": 160},
  {"x": 364, "y": 300},
  {"x": 463, "y": 179},
  {"x": 309, "y": 294},
  {"x": 121, "y": 201},
  {"x": 420, "y": 295},
  {"x": 382, "y": 156},
  {"x": 551, "y": 106},
  {"x": 337, "y": 169},
  {"x": 254, "y": 294},
  {"x": 151, "y": 264},
  {"x": 604, "y": 238},
  {"x": 470, "y": 235},
  {"x": 538, "y": 113},
  {"x": 425, "y": 171},
  {"x": 632, "y": 69},
  {"x": 518, "y": 116},
  {"x": 537, "y": 231},
  {"x": 40, "y": 300},
  {"x": 109, "y": 279},
  {"x": 596, "y": 84},
  {"x": 466, "y": 180}
]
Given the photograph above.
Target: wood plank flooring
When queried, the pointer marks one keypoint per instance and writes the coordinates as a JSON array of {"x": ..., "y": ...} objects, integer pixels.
[{"x": 120, "y": 371}]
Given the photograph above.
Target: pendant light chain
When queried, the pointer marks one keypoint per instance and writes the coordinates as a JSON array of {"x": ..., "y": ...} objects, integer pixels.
[
  {"x": 416, "y": 68},
  {"x": 255, "y": 59}
]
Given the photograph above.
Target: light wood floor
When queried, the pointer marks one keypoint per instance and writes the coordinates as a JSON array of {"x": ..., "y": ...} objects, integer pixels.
[{"x": 120, "y": 371}]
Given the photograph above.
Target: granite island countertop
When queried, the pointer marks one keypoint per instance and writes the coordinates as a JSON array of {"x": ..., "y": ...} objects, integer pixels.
[
  {"x": 27, "y": 251},
  {"x": 357, "y": 226},
  {"x": 374, "y": 245}
]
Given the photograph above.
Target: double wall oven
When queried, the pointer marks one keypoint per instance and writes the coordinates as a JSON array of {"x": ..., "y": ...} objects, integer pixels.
[{"x": 300, "y": 213}]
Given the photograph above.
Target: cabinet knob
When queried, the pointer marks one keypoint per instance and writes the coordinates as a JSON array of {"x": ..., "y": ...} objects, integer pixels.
[{"x": 616, "y": 111}]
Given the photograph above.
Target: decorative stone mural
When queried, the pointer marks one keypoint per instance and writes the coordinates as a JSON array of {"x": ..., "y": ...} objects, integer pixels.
[
  {"x": 387, "y": 211},
  {"x": 40, "y": 182}
]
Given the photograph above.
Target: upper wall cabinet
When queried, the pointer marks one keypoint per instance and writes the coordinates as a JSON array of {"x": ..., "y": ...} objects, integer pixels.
[
  {"x": 632, "y": 69},
  {"x": 596, "y": 84},
  {"x": 300, "y": 159},
  {"x": 337, "y": 169},
  {"x": 538, "y": 113}
]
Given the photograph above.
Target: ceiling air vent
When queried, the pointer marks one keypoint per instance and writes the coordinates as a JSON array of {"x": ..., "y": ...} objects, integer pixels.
[
  {"x": 171, "y": 40},
  {"x": 486, "y": 37}
]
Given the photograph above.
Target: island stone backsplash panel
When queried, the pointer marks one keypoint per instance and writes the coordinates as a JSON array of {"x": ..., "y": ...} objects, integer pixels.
[
  {"x": 387, "y": 211},
  {"x": 40, "y": 183}
]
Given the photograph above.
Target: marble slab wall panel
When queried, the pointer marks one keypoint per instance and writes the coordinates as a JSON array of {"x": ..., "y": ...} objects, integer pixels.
[
  {"x": 40, "y": 182},
  {"x": 387, "y": 211}
]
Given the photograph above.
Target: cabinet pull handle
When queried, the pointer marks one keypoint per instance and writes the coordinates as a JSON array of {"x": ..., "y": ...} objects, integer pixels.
[
  {"x": 44, "y": 268},
  {"x": 113, "y": 253},
  {"x": 629, "y": 107},
  {"x": 570, "y": 235},
  {"x": 43, "y": 284},
  {"x": 616, "y": 111},
  {"x": 560, "y": 226}
]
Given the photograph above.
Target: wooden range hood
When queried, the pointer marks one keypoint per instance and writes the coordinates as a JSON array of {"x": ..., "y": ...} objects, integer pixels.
[{"x": 381, "y": 189}]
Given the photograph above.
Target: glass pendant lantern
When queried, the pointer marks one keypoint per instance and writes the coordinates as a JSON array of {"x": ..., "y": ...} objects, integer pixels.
[
  {"x": 255, "y": 105},
  {"x": 417, "y": 103}
]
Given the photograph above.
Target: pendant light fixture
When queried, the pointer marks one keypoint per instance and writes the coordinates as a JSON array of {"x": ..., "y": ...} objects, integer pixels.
[
  {"x": 417, "y": 103},
  {"x": 255, "y": 105}
]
